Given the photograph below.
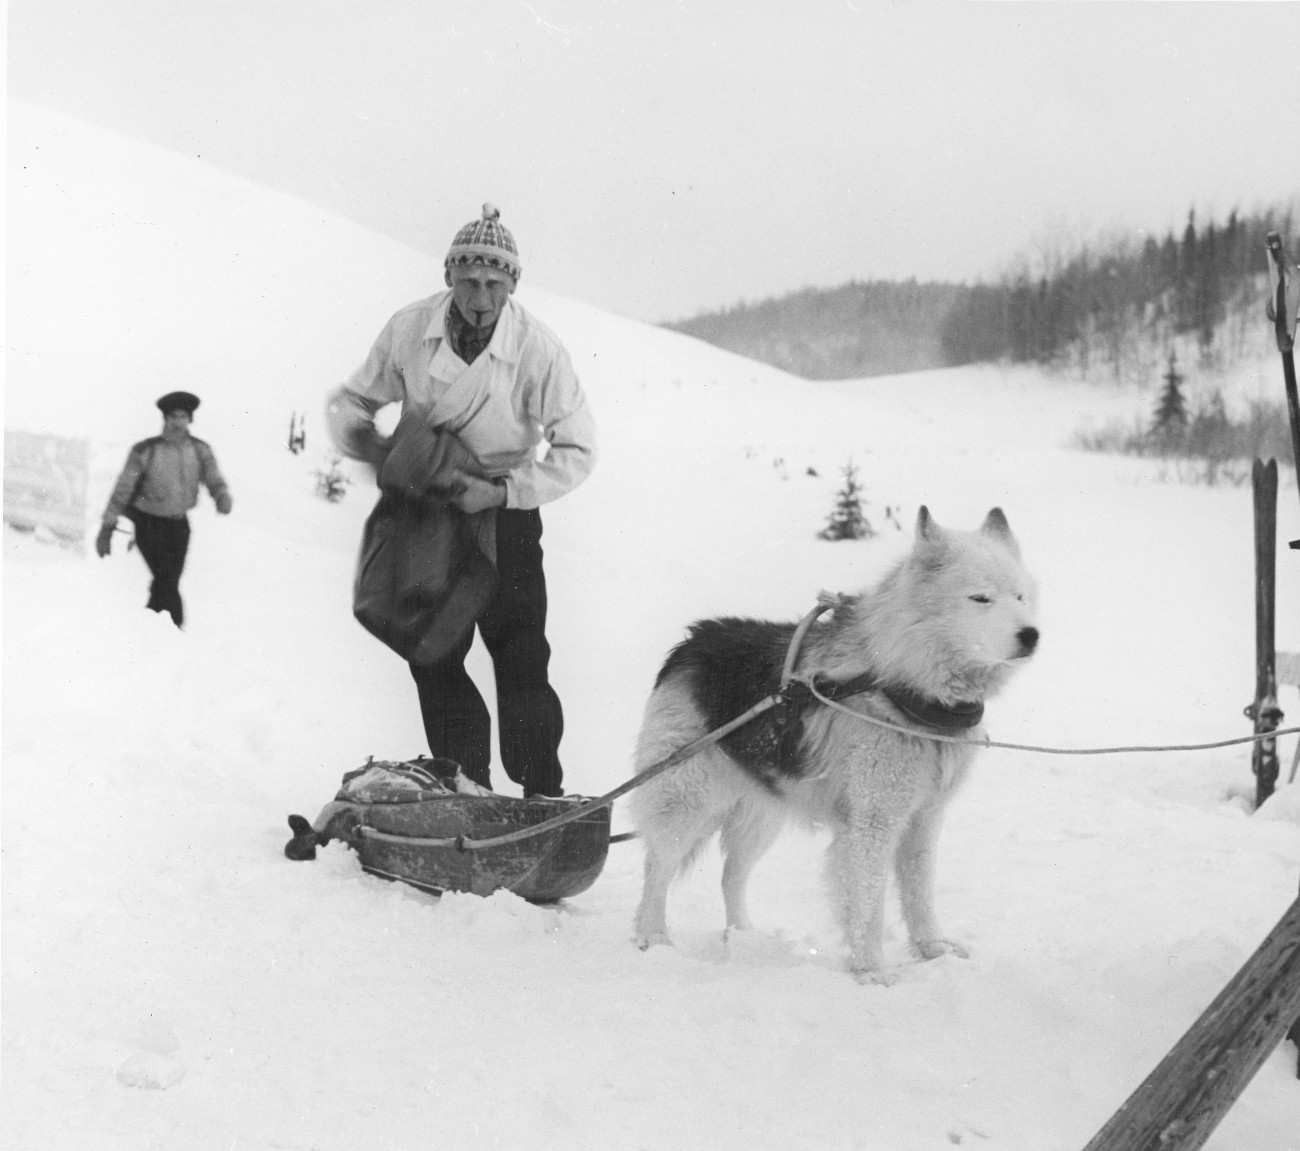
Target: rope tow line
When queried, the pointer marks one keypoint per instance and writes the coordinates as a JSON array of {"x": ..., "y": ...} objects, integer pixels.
[
  {"x": 825, "y": 602},
  {"x": 464, "y": 843},
  {"x": 792, "y": 688},
  {"x": 1053, "y": 750},
  {"x": 828, "y": 600}
]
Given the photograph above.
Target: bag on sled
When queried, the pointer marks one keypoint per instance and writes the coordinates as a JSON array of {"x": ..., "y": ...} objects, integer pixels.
[{"x": 388, "y": 811}]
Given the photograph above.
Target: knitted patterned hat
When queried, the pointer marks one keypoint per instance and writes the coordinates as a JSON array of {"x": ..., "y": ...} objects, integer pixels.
[{"x": 485, "y": 241}]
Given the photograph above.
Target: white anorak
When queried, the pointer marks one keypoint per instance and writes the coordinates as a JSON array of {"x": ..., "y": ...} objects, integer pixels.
[{"x": 520, "y": 392}]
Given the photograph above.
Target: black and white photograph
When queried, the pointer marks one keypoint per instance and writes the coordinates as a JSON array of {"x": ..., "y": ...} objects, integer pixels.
[{"x": 650, "y": 575}]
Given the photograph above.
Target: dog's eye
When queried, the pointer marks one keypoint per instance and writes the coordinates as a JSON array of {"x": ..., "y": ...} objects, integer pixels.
[{"x": 980, "y": 599}]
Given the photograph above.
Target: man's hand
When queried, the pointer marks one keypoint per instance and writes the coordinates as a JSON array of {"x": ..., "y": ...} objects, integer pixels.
[
  {"x": 365, "y": 443},
  {"x": 104, "y": 541},
  {"x": 478, "y": 495},
  {"x": 224, "y": 504}
]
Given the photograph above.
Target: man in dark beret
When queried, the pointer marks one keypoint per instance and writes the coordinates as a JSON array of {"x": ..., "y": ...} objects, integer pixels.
[{"x": 157, "y": 487}]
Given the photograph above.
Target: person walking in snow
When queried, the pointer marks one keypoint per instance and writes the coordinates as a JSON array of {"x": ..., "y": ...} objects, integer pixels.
[
  {"x": 473, "y": 362},
  {"x": 157, "y": 486}
]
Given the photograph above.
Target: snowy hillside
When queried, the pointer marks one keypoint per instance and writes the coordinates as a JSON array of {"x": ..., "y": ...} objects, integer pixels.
[{"x": 170, "y": 981}]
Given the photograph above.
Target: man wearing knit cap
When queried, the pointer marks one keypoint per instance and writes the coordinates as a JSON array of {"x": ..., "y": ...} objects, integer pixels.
[
  {"x": 473, "y": 362},
  {"x": 158, "y": 485}
]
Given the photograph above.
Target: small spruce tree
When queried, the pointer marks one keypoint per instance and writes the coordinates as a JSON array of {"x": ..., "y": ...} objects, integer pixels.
[
  {"x": 847, "y": 520},
  {"x": 1170, "y": 424},
  {"x": 331, "y": 480}
]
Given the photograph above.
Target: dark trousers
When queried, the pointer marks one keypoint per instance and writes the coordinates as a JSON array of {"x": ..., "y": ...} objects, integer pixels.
[
  {"x": 163, "y": 543},
  {"x": 513, "y": 627}
]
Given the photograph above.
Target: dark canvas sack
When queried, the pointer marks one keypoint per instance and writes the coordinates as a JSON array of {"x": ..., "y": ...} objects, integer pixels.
[{"x": 426, "y": 570}]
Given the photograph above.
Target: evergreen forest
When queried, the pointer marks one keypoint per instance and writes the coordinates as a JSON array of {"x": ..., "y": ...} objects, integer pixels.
[{"x": 1110, "y": 308}]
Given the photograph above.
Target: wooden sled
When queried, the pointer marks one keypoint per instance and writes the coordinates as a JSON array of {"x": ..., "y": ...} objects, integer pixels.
[{"x": 387, "y": 811}]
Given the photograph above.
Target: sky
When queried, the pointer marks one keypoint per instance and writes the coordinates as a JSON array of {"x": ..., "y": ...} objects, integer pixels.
[{"x": 662, "y": 159}]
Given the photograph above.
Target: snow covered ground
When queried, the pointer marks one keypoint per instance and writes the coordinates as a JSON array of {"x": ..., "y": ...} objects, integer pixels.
[{"x": 171, "y": 981}]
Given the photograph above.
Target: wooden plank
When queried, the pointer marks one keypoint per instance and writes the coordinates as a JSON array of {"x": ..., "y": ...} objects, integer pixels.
[{"x": 1180, "y": 1103}]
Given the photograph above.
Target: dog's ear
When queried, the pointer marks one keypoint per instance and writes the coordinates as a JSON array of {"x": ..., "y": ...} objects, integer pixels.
[
  {"x": 926, "y": 528},
  {"x": 995, "y": 525},
  {"x": 930, "y": 550}
]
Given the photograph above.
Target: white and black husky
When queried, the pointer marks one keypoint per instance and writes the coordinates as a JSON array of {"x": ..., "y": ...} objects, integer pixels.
[{"x": 923, "y": 650}]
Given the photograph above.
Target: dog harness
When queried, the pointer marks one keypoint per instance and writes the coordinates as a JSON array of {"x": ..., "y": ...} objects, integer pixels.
[
  {"x": 926, "y": 711},
  {"x": 797, "y": 694}
]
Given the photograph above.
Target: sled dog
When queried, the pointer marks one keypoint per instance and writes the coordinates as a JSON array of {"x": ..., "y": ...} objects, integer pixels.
[{"x": 923, "y": 650}]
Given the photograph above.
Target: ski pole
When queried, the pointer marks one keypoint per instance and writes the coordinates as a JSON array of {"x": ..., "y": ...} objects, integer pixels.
[{"x": 1283, "y": 309}]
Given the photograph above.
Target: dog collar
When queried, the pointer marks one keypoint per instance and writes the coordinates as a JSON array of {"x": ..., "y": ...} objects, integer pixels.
[
  {"x": 932, "y": 713},
  {"x": 925, "y": 710}
]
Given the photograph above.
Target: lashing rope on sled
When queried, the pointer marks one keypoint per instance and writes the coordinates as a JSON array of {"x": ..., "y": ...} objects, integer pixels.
[{"x": 794, "y": 687}]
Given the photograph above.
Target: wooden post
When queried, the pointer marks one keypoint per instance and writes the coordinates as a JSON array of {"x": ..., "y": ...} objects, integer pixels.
[
  {"x": 1182, "y": 1101},
  {"x": 1264, "y": 711}
]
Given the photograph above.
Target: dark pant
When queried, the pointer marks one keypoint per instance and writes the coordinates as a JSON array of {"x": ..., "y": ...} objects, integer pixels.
[
  {"x": 163, "y": 543},
  {"x": 513, "y": 627}
]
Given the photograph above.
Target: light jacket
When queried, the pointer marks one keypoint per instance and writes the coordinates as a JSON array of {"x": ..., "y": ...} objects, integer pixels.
[
  {"x": 520, "y": 392},
  {"x": 161, "y": 478}
]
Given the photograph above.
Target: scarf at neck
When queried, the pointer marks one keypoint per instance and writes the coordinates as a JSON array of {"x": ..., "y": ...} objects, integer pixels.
[{"x": 467, "y": 341}]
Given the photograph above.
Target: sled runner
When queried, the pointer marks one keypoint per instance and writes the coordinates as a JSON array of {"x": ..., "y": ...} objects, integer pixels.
[{"x": 388, "y": 812}]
